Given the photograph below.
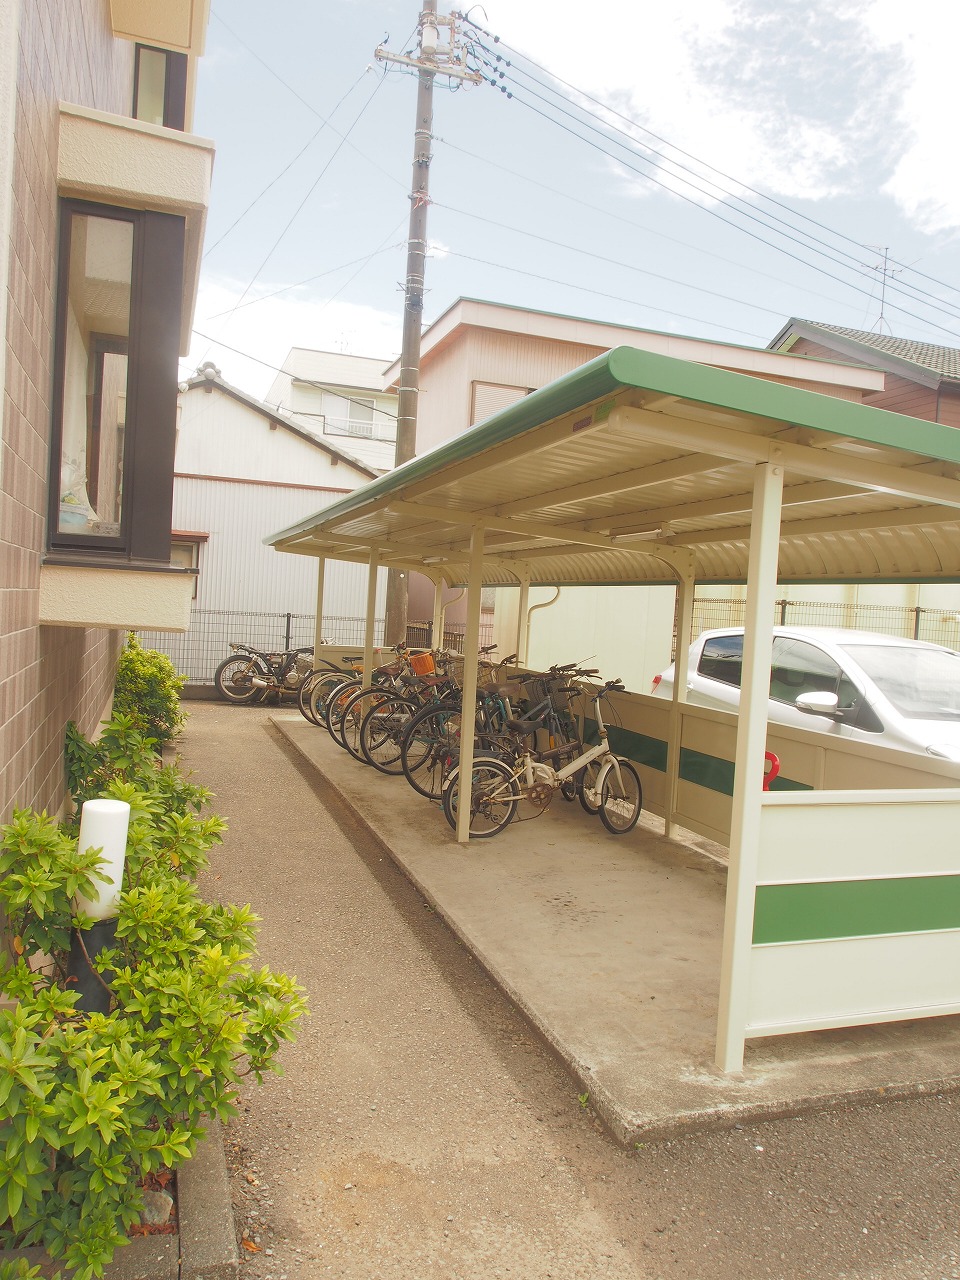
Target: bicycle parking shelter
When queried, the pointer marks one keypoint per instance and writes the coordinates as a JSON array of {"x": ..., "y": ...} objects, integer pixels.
[{"x": 843, "y": 895}]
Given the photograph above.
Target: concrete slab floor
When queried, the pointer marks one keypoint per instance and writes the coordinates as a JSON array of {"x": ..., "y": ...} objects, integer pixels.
[{"x": 611, "y": 947}]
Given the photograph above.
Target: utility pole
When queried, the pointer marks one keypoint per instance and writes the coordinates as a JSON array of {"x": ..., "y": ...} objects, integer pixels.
[{"x": 438, "y": 56}]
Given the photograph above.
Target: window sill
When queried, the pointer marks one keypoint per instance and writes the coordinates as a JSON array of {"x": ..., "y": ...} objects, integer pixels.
[{"x": 79, "y": 591}]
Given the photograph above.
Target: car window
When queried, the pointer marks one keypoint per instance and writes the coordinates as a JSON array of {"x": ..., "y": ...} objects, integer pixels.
[
  {"x": 799, "y": 667},
  {"x": 722, "y": 659},
  {"x": 923, "y": 684}
]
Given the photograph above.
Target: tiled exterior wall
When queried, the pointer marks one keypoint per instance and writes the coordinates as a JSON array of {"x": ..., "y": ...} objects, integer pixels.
[{"x": 48, "y": 675}]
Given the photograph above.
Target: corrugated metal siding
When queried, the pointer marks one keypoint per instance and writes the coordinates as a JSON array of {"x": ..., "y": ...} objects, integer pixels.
[
  {"x": 512, "y": 359},
  {"x": 219, "y": 436},
  {"x": 238, "y": 572}
]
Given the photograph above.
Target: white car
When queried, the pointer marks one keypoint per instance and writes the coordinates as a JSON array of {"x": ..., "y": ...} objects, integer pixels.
[{"x": 858, "y": 684}]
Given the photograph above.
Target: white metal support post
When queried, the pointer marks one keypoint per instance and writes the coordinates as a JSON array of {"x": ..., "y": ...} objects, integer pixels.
[
  {"x": 471, "y": 646},
  {"x": 748, "y": 777},
  {"x": 681, "y": 667},
  {"x": 318, "y": 628},
  {"x": 436, "y": 628},
  {"x": 371, "y": 614},
  {"x": 521, "y": 645}
]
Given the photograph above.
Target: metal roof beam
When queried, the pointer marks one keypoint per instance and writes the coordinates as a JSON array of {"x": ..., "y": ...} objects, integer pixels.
[
  {"x": 820, "y": 463},
  {"x": 904, "y": 518},
  {"x": 654, "y": 517},
  {"x": 638, "y": 478}
]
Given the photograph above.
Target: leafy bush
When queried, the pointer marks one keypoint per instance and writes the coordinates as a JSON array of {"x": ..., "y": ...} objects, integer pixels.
[
  {"x": 148, "y": 689},
  {"x": 90, "y": 1103}
]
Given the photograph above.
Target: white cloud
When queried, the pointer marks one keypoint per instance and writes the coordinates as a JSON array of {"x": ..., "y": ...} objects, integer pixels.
[
  {"x": 251, "y": 342},
  {"x": 924, "y": 182},
  {"x": 804, "y": 100}
]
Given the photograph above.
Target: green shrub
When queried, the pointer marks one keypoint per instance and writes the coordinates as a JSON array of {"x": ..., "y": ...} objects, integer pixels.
[
  {"x": 148, "y": 689},
  {"x": 90, "y": 1103}
]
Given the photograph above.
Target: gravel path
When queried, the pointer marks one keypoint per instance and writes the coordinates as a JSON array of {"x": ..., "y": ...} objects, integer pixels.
[{"x": 421, "y": 1129}]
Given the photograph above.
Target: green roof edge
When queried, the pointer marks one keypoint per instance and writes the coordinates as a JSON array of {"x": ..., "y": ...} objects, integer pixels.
[{"x": 625, "y": 367}]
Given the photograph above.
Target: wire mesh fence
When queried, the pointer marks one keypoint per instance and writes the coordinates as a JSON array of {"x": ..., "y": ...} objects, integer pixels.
[
  {"x": 420, "y": 635},
  {"x": 196, "y": 653},
  {"x": 940, "y": 626}
]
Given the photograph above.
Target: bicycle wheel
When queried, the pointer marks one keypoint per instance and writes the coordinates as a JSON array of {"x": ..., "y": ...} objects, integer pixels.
[
  {"x": 320, "y": 691},
  {"x": 381, "y": 732},
  {"x": 234, "y": 679},
  {"x": 353, "y": 716},
  {"x": 493, "y": 796},
  {"x": 588, "y": 790},
  {"x": 621, "y": 796},
  {"x": 306, "y": 689},
  {"x": 429, "y": 748},
  {"x": 335, "y": 707}
]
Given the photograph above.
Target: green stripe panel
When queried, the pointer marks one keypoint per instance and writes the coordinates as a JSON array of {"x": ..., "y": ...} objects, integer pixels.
[
  {"x": 855, "y": 908},
  {"x": 695, "y": 766}
]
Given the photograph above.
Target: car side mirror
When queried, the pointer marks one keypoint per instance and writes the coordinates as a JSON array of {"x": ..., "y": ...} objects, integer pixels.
[{"x": 820, "y": 704}]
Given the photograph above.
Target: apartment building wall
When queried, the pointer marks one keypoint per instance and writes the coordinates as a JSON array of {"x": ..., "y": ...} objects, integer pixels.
[{"x": 48, "y": 675}]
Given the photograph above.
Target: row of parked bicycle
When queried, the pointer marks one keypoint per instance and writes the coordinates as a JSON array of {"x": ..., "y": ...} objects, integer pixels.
[
  {"x": 408, "y": 721},
  {"x": 527, "y": 746}
]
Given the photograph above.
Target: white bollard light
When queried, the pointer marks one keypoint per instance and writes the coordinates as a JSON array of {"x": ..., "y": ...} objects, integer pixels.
[{"x": 103, "y": 825}]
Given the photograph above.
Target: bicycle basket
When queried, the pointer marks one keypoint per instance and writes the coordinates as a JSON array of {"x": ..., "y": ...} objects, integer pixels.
[
  {"x": 453, "y": 668},
  {"x": 422, "y": 664},
  {"x": 534, "y": 689}
]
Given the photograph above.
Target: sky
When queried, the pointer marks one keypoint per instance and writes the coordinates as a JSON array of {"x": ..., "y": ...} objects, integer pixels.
[{"x": 711, "y": 169}]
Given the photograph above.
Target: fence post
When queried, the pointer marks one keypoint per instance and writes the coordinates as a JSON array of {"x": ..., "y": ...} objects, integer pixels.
[
  {"x": 783, "y": 612},
  {"x": 916, "y": 622},
  {"x": 286, "y": 638}
]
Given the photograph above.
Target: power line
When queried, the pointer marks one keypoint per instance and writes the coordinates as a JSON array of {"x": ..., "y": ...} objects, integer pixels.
[
  {"x": 610, "y": 296},
  {"x": 859, "y": 267},
  {"x": 310, "y": 191},
  {"x": 634, "y": 124},
  {"x": 364, "y": 259},
  {"x": 309, "y": 382},
  {"x": 286, "y": 169},
  {"x": 630, "y": 222},
  {"x": 599, "y": 257}
]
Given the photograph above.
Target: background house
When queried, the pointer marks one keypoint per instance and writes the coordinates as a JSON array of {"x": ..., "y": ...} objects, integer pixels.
[
  {"x": 102, "y": 183},
  {"x": 919, "y": 378},
  {"x": 479, "y": 357},
  {"x": 241, "y": 470},
  {"x": 342, "y": 399}
]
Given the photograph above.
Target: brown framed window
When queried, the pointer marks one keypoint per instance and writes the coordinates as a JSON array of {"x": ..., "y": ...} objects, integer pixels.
[
  {"x": 115, "y": 381},
  {"x": 160, "y": 86}
]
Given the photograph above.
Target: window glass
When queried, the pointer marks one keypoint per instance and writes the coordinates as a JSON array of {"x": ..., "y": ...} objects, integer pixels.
[
  {"x": 95, "y": 375},
  {"x": 160, "y": 87},
  {"x": 347, "y": 415},
  {"x": 799, "y": 667},
  {"x": 151, "y": 85},
  {"x": 722, "y": 659},
  {"x": 923, "y": 684},
  {"x": 186, "y": 554}
]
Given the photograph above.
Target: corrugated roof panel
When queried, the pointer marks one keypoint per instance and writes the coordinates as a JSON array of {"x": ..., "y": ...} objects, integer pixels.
[{"x": 636, "y": 446}]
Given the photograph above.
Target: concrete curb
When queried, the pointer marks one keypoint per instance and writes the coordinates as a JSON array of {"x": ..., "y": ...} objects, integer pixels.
[{"x": 206, "y": 1246}]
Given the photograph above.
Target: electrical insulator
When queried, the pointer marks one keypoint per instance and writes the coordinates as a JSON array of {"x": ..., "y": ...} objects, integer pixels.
[{"x": 429, "y": 39}]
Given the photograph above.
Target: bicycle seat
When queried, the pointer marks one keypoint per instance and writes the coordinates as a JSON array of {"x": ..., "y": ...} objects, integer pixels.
[{"x": 525, "y": 727}]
